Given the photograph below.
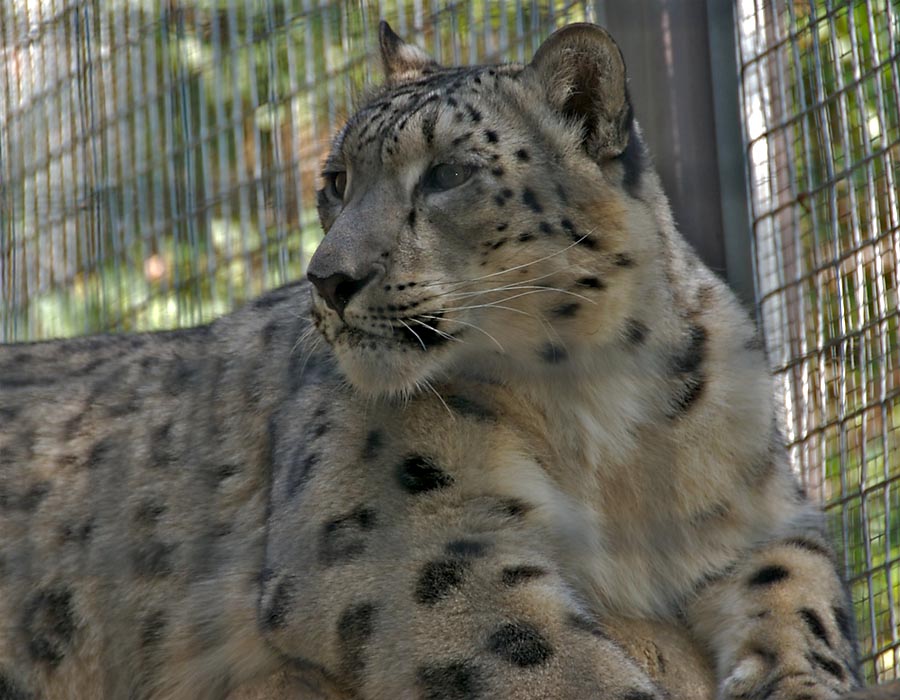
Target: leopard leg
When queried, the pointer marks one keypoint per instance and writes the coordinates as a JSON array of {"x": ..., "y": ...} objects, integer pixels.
[{"x": 779, "y": 624}]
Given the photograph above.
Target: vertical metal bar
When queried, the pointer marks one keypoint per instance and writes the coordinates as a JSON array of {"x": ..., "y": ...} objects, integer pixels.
[
  {"x": 277, "y": 166},
  {"x": 881, "y": 297},
  {"x": 225, "y": 190},
  {"x": 236, "y": 123},
  {"x": 729, "y": 151}
]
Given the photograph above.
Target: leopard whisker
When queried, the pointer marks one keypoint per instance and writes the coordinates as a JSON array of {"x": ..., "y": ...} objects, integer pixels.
[
  {"x": 470, "y": 325},
  {"x": 512, "y": 287},
  {"x": 515, "y": 267},
  {"x": 436, "y": 330},
  {"x": 418, "y": 337},
  {"x": 440, "y": 398},
  {"x": 515, "y": 296},
  {"x": 549, "y": 330}
]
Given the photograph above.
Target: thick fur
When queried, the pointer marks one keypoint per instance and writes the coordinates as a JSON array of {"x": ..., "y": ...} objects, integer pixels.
[{"x": 536, "y": 415}]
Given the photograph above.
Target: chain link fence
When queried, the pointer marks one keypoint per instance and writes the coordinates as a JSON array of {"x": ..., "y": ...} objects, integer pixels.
[
  {"x": 821, "y": 91},
  {"x": 158, "y": 161}
]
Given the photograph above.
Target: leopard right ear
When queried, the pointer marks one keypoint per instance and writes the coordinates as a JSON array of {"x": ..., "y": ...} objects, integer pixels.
[
  {"x": 581, "y": 71},
  {"x": 402, "y": 62}
]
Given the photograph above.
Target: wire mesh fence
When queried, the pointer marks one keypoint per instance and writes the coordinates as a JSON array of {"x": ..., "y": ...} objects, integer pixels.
[
  {"x": 821, "y": 92},
  {"x": 157, "y": 159}
]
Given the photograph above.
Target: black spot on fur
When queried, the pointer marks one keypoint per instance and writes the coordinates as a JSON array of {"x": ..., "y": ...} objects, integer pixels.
[
  {"x": 10, "y": 690},
  {"x": 810, "y": 545},
  {"x": 632, "y": 159},
  {"x": 567, "y": 310},
  {"x": 639, "y": 695},
  {"x": 467, "y": 549},
  {"x": 531, "y": 201},
  {"x": 268, "y": 332},
  {"x": 687, "y": 395},
  {"x": 469, "y": 408},
  {"x": 815, "y": 625},
  {"x": 755, "y": 343},
  {"x": 78, "y": 534},
  {"x": 582, "y": 622},
  {"x": 342, "y": 538},
  {"x": 828, "y": 665},
  {"x": 502, "y": 227},
  {"x": 411, "y": 218},
  {"x": 49, "y": 624},
  {"x": 373, "y": 445},
  {"x": 152, "y": 559},
  {"x": 354, "y": 628},
  {"x": 149, "y": 512},
  {"x": 455, "y": 681},
  {"x": 514, "y": 575},
  {"x": 515, "y": 508},
  {"x": 99, "y": 453},
  {"x": 522, "y": 155},
  {"x": 844, "y": 623},
  {"x": 623, "y": 260},
  {"x": 688, "y": 366},
  {"x": 152, "y": 628},
  {"x": 525, "y": 236},
  {"x": 553, "y": 354},
  {"x": 545, "y": 228},
  {"x": 692, "y": 357},
  {"x": 520, "y": 644},
  {"x": 181, "y": 376},
  {"x": 474, "y": 114},
  {"x": 160, "y": 446},
  {"x": 591, "y": 283},
  {"x": 8, "y": 413},
  {"x": 769, "y": 575},
  {"x": 491, "y": 136},
  {"x": 438, "y": 578},
  {"x": 300, "y": 472},
  {"x": 418, "y": 474},
  {"x": 635, "y": 331},
  {"x": 497, "y": 171},
  {"x": 279, "y": 607},
  {"x": 32, "y": 498}
]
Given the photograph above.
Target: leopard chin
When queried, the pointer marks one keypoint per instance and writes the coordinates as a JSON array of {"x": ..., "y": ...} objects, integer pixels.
[{"x": 386, "y": 368}]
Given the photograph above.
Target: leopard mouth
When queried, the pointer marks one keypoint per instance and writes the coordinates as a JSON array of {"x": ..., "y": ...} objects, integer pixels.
[{"x": 408, "y": 332}]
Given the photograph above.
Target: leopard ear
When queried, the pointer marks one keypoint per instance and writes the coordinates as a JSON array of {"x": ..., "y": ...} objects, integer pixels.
[
  {"x": 402, "y": 62},
  {"x": 582, "y": 73}
]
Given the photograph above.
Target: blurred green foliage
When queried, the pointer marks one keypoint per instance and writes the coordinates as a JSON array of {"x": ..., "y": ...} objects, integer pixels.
[{"x": 842, "y": 82}]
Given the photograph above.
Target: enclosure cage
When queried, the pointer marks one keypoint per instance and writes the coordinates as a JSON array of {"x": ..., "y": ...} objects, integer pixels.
[{"x": 158, "y": 160}]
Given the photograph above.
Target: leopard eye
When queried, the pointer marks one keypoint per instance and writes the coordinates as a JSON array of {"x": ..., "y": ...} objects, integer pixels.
[
  {"x": 446, "y": 176},
  {"x": 336, "y": 183}
]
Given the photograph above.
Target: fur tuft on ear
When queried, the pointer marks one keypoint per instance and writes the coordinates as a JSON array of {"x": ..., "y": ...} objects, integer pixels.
[
  {"x": 402, "y": 62},
  {"x": 582, "y": 73}
]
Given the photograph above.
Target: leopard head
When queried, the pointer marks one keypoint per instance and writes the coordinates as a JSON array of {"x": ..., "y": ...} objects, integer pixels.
[{"x": 482, "y": 219}]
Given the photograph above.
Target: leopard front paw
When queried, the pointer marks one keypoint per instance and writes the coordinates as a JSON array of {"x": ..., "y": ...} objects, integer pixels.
[{"x": 761, "y": 676}]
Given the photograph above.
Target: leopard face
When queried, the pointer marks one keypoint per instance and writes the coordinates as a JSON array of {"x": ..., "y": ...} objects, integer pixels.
[{"x": 480, "y": 220}]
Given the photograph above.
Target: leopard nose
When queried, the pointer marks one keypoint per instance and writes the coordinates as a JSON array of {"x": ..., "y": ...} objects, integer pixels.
[{"x": 338, "y": 289}]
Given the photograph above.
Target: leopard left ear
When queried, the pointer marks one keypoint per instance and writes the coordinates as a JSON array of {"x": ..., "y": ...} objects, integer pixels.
[
  {"x": 582, "y": 73},
  {"x": 402, "y": 62}
]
